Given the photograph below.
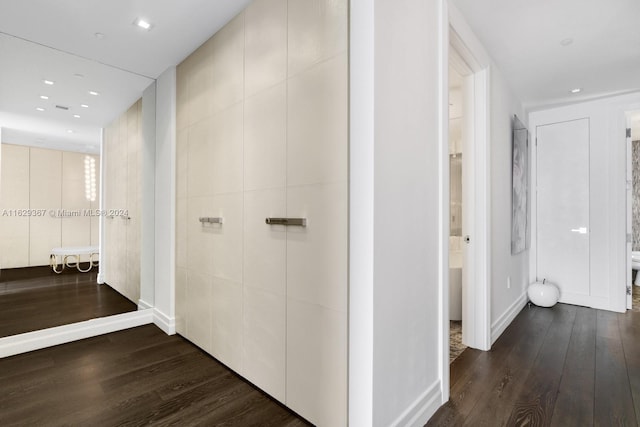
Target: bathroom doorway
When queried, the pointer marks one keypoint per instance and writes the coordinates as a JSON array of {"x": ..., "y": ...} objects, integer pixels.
[
  {"x": 458, "y": 91},
  {"x": 463, "y": 54},
  {"x": 633, "y": 209}
]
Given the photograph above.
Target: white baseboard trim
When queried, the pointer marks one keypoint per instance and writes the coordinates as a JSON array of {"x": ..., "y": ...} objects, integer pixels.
[
  {"x": 164, "y": 322},
  {"x": 499, "y": 326},
  {"x": 143, "y": 305},
  {"x": 23, "y": 343},
  {"x": 422, "y": 409},
  {"x": 100, "y": 278}
]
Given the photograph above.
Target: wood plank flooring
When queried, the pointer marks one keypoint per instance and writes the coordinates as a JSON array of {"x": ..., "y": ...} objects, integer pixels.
[
  {"x": 135, "y": 377},
  {"x": 563, "y": 366},
  {"x": 33, "y": 303}
]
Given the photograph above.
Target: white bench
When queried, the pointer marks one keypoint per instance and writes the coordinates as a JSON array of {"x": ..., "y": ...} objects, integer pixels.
[{"x": 70, "y": 257}]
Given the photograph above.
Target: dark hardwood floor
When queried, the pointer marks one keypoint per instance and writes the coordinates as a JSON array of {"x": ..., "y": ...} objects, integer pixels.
[
  {"x": 135, "y": 377},
  {"x": 560, "y": 366},
  {"x": 48, "y": 300}
]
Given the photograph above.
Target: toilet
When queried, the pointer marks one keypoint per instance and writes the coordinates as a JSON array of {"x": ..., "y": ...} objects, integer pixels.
[{"x": 635, "y": 264}]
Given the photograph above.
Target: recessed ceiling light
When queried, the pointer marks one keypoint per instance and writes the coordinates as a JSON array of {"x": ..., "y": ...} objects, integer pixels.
[
  {"x": 94, "y": 93},
  {"x": 566, "y": 42},
  {"x": 145, "y": 25},
  {"x": 69, "y": 131},
  {"x": 48, "y": 82},
  {"x": 576, "y": 90},
  {"x": 39, "y": 108},
  {"x": 99, "y": 36},
  {"x": 77, "y": 116},
  {"x": 84, "y": 105},
  {"x": 44, "y": 97}
]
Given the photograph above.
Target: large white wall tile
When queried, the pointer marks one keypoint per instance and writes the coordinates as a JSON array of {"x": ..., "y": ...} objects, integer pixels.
[
  {"x": 200, "y": 236},
  {"x": 317, "y": 253},
  {"x": 182, "y": 306},
  {"x": 225, "y": 163},
  {"x": 14, "y": 184},
  {"x": 182, "y": 151},
  {"x": 216, "y": 249},
  {"x": 182, "y": 218},
  {"x": 265, "y": 45},
  {"x": 14, "y": 194},
  {"x": 226, "y": 252},
  {"x": 264, "y": 360},
  {"x": 226, "y": 323},
  {"x": 200, "y": 83},
  {"x": 45, "y": 181},
  {"x": 44, "y": 234},
  {"x": 183, "y": 73},
  {"x": 265, "y": 250},
  {"x": 45, "y": 175},
  {"x": 318, "y": 30},
  {"x": 198, "y": 316},
  {"x": 16, "y": 238},
  {"x": 227, "y": 52},
  {"x": 198, "y": 158},
  {"x": 317, "y": 149},
  {"x": 265, "y": 139},
  {"x": 317, "y": 363},
  {"x": 76, "y": 231}
]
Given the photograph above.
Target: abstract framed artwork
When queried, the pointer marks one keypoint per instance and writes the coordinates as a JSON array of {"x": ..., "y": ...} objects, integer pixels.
[{"x": 520, "y": 186}]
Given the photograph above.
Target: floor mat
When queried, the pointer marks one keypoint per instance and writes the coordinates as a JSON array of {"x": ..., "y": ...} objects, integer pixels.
[{"x": 455, "y": 340}]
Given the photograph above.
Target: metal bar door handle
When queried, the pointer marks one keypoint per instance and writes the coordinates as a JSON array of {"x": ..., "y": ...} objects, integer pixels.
[
  {"x": 581, "y": 230},
  {"x": 210, "y": 220},
  {"x": 300, "y": 222}
]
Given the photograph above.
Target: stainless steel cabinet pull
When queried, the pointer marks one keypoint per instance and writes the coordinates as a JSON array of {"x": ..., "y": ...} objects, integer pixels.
[
  {"x": 301, "y": 222},
  {"x": 210, "y": 220}
]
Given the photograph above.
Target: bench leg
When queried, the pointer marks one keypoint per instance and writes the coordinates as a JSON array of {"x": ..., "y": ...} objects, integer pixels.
[{"x": 53, "y": 263}]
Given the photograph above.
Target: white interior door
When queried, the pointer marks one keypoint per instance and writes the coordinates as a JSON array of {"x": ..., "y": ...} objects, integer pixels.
[
  {"x": 563, "y": 208},
  {"x": 468, "y": 211}
]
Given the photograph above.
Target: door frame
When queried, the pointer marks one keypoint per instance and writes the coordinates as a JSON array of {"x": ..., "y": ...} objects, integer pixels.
[
  {"x": 457, "y": 35},
  {"x": 629, "y": 210}
]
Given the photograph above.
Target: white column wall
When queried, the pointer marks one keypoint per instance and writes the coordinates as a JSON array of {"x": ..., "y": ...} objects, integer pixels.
[
  {"x": 406, "y": 162},
  {"x": 148, "y": 250},
  {"x": 165, "y": 199}
]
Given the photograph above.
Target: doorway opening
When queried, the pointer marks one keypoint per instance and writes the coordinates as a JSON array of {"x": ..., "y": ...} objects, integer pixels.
[
  {"x": 468, "y": 233},
  {"x": 458, "y": 203},
  {"x": 633, "y": 210}
]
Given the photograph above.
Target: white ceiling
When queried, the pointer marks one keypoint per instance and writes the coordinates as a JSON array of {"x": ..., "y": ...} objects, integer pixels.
[
  {"x": 44, "y": 39},
  {"x": 55, "y": 40},
  {"x": 524, "y": 38}
]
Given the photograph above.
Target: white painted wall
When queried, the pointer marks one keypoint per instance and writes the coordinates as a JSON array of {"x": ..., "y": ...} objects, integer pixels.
[
  {"x": 405, "y": 210},
  {"x": 607, "y": 192},
  {"x": 361, "y": 212},
  {"x": 165, "y": 200},
  {"x": 505, "y": 302},
  {"x": 147, "y": 198}
]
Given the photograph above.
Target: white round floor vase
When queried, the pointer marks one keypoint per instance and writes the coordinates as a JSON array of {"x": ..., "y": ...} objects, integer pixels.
[{"x": 543, "y": 294}]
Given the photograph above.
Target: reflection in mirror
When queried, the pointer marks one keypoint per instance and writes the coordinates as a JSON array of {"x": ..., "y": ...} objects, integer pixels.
[{"x": 53, "y": 107}]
